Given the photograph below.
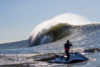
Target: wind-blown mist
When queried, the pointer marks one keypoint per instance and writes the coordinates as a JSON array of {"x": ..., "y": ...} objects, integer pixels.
[{"x": 41, "y": 29}]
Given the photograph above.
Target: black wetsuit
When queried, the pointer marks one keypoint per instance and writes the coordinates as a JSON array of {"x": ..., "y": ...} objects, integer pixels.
[{"x": 67, "y": 48}]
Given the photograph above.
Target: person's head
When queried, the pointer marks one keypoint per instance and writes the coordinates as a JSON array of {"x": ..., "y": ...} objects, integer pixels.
[{"x": 67, "y": 41}]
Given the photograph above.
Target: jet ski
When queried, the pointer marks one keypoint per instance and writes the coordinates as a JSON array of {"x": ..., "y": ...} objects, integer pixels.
[{"x": 76, "y": 57}]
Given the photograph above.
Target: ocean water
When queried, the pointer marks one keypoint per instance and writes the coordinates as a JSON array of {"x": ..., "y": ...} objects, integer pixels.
[{"x": 19, "y": 54}]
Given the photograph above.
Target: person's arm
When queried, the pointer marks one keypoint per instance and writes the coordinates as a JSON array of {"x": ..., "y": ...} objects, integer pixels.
[{"x": 70, "y": 44}]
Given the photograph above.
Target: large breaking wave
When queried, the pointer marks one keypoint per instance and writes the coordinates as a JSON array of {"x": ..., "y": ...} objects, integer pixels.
[{"x": 56, "y": 28}]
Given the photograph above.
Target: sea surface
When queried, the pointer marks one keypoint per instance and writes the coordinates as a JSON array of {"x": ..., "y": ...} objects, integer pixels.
[{"x": 19, "y": 54}]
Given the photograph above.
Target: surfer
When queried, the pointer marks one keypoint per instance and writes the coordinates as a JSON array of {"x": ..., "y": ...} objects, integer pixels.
[{"x": 67, "y": 48}]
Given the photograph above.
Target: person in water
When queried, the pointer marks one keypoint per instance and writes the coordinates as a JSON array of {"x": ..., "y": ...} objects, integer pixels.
[{"x": 67, "y": 48}]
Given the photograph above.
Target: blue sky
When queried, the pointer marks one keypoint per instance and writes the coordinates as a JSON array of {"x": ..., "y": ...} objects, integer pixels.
[{"x": 19, "y": 17}]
